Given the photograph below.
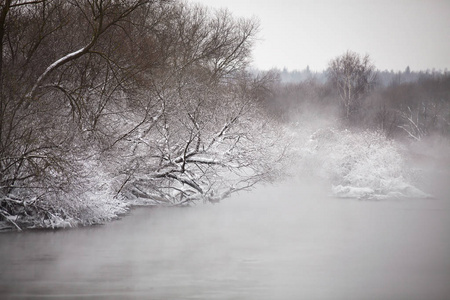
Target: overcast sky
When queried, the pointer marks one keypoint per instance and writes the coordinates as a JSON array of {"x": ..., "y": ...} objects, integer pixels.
[{"x": 395, "y": 33}]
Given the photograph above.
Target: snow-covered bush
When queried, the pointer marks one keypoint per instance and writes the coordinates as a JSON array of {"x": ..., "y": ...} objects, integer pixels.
[
  {"x": 362, "y": 165},
  {"x": 91, "y": 199}
]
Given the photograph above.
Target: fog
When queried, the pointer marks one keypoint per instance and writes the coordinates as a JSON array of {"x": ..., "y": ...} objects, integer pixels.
[
  {"x": 385, "y": 237},
  {"x": 331, "y": 187},
  {"x": 291, "y": 240}
]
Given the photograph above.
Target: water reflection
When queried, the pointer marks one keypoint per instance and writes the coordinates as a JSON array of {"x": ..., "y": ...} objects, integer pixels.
[{"x": 285, "y": 242}]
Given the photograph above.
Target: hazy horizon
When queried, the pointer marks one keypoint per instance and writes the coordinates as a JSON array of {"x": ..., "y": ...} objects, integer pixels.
[{"x": 297, "y": 34}]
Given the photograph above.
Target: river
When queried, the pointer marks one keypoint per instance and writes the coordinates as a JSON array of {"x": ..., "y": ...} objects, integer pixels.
[{"x": 289, "y": 241}]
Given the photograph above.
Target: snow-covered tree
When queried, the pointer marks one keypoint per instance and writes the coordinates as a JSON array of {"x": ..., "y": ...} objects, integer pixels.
[
  {"x": 104, "y": 100},
  {"x": 205, "y": 136},
  {"x": 62, "y": 64}
]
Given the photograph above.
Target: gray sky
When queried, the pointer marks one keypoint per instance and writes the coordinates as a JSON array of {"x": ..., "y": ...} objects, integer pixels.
[{"x": 395, "y": 33}]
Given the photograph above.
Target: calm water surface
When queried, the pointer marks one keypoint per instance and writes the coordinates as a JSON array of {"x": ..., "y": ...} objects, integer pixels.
[{"x": 286, "y": 242}]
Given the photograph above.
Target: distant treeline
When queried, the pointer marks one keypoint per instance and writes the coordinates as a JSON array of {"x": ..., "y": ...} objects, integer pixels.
[
  {"x": 384, "y": 78},
  {"x": 404, "y": 104}
]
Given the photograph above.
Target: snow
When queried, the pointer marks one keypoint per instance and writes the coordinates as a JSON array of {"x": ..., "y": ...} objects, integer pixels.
[
  {"x": 362, "y": 165},
  {"x": 55, "y": 65}
]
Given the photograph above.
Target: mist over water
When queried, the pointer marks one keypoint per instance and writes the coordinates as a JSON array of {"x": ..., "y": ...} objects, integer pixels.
[
  {"x": 287, "y": 241},
  {"x": 291, "y": 240}
]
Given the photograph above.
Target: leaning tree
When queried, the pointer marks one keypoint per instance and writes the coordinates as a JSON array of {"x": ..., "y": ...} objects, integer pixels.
[{"x": 200, "y": 133}]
